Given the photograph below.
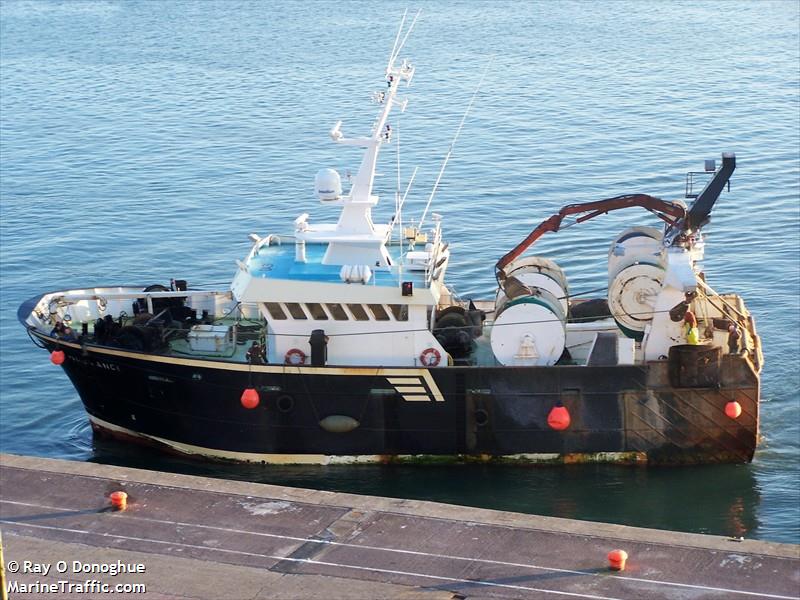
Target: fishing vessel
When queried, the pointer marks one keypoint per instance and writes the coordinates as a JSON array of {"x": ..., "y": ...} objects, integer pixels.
[{"x": 342, "y": 341}]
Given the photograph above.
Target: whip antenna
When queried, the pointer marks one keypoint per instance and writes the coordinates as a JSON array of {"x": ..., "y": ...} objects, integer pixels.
[
  {"x": 396, "y": 39},
  {"x": 396, "y": 51},
  {"x": 453, "y": 143}
]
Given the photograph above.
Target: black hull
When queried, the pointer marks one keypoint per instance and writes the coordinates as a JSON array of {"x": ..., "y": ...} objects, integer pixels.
[{"x": 618, "y": 414}]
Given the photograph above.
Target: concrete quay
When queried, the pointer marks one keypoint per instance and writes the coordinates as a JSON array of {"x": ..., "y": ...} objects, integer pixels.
[{"x": 185, "y": 537}]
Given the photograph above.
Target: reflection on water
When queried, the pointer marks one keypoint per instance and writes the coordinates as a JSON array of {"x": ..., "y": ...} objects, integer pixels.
[
  {"x": 79, "y": 436},
  {"x": 714, "y": 499}
]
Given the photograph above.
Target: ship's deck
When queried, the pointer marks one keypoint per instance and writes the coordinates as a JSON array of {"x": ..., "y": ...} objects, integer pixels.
[
  {"x": 83, "y": 307},
  {"x": 237, "y": 353},
  {"x": 277, "y": 261}
]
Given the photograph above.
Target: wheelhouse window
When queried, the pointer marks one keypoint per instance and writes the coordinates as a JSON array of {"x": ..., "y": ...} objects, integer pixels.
[
  {"x": 275, "y": 311},
  {"x": 337, "y": 312},
  {"x": 296, "y": 311},
  {"x": 358, "y": 312},
  {"x": 316, "y": 311},
  {"x": 400, "y": 311},
  {"x": 379, "y": 312}
]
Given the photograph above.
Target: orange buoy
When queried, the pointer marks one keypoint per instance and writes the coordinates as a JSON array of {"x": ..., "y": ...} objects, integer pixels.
[
  {"x": 250, "y": 398},
  {"x": 57, "y": 357},
  {"x": 616, "y": 560},
  {"x": 119, "y": 500},
  {"x": 733, "y": 409},
  {"x": 558, "y": 418}
]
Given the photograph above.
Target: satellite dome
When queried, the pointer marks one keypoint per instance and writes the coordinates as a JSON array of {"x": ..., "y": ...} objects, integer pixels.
[{"x": 328, "y": 185}]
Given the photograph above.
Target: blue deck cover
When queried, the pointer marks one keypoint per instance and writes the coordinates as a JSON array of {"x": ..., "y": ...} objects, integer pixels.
[{"x": 278, "y": 262}]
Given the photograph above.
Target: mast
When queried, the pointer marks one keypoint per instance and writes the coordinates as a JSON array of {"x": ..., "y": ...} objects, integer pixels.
[
  {"x": 361, "y": 190},
  {"x": 355, "y": 238}
]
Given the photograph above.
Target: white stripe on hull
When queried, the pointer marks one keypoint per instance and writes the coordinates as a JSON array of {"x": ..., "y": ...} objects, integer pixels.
[
  {"x": 334, "y": 459},
  {"x": 296, "y": 459}
]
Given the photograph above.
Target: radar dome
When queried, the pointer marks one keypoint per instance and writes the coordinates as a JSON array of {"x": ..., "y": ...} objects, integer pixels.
[{"x": 328, "y": 185}]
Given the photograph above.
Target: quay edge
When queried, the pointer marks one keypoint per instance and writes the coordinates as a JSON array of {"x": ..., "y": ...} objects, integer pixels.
[{"x": 189, "y": 531}]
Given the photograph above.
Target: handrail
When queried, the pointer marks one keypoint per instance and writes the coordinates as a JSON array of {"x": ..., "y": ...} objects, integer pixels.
[
  {"x": 725, "y": 302},
  {"x": 130, "y": 295}
]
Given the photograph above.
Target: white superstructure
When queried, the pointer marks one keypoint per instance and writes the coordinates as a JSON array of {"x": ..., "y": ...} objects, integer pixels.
[{"x": 372, "y": 298}]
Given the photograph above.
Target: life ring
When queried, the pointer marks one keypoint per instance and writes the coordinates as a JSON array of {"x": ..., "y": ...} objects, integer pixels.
[
  {"x": 430, "y": 357},
  {"x": 295, "y": 356}
]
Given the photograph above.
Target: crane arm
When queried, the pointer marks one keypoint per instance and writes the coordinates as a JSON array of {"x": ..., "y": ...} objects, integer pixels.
[{"x": 670, "y": 212}]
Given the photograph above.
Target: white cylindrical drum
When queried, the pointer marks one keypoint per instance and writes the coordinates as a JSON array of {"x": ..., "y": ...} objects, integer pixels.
[
  {"x": 632, "y": 296},
  {"x": 300, "y": 251},
  {"x": 529, "y": 330},
  {"x": 635, "y": 275},
  {"x": 540, "y": 273},
  {"x": 355, "y": 273},
  {"x": 633, "y": 243}
]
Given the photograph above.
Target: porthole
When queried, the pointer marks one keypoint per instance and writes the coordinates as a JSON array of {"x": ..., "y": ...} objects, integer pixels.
[{"x": 285, "y": 403}]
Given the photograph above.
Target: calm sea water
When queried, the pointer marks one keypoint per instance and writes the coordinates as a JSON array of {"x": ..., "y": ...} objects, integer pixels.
[{"x": 144, "y": 140}]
